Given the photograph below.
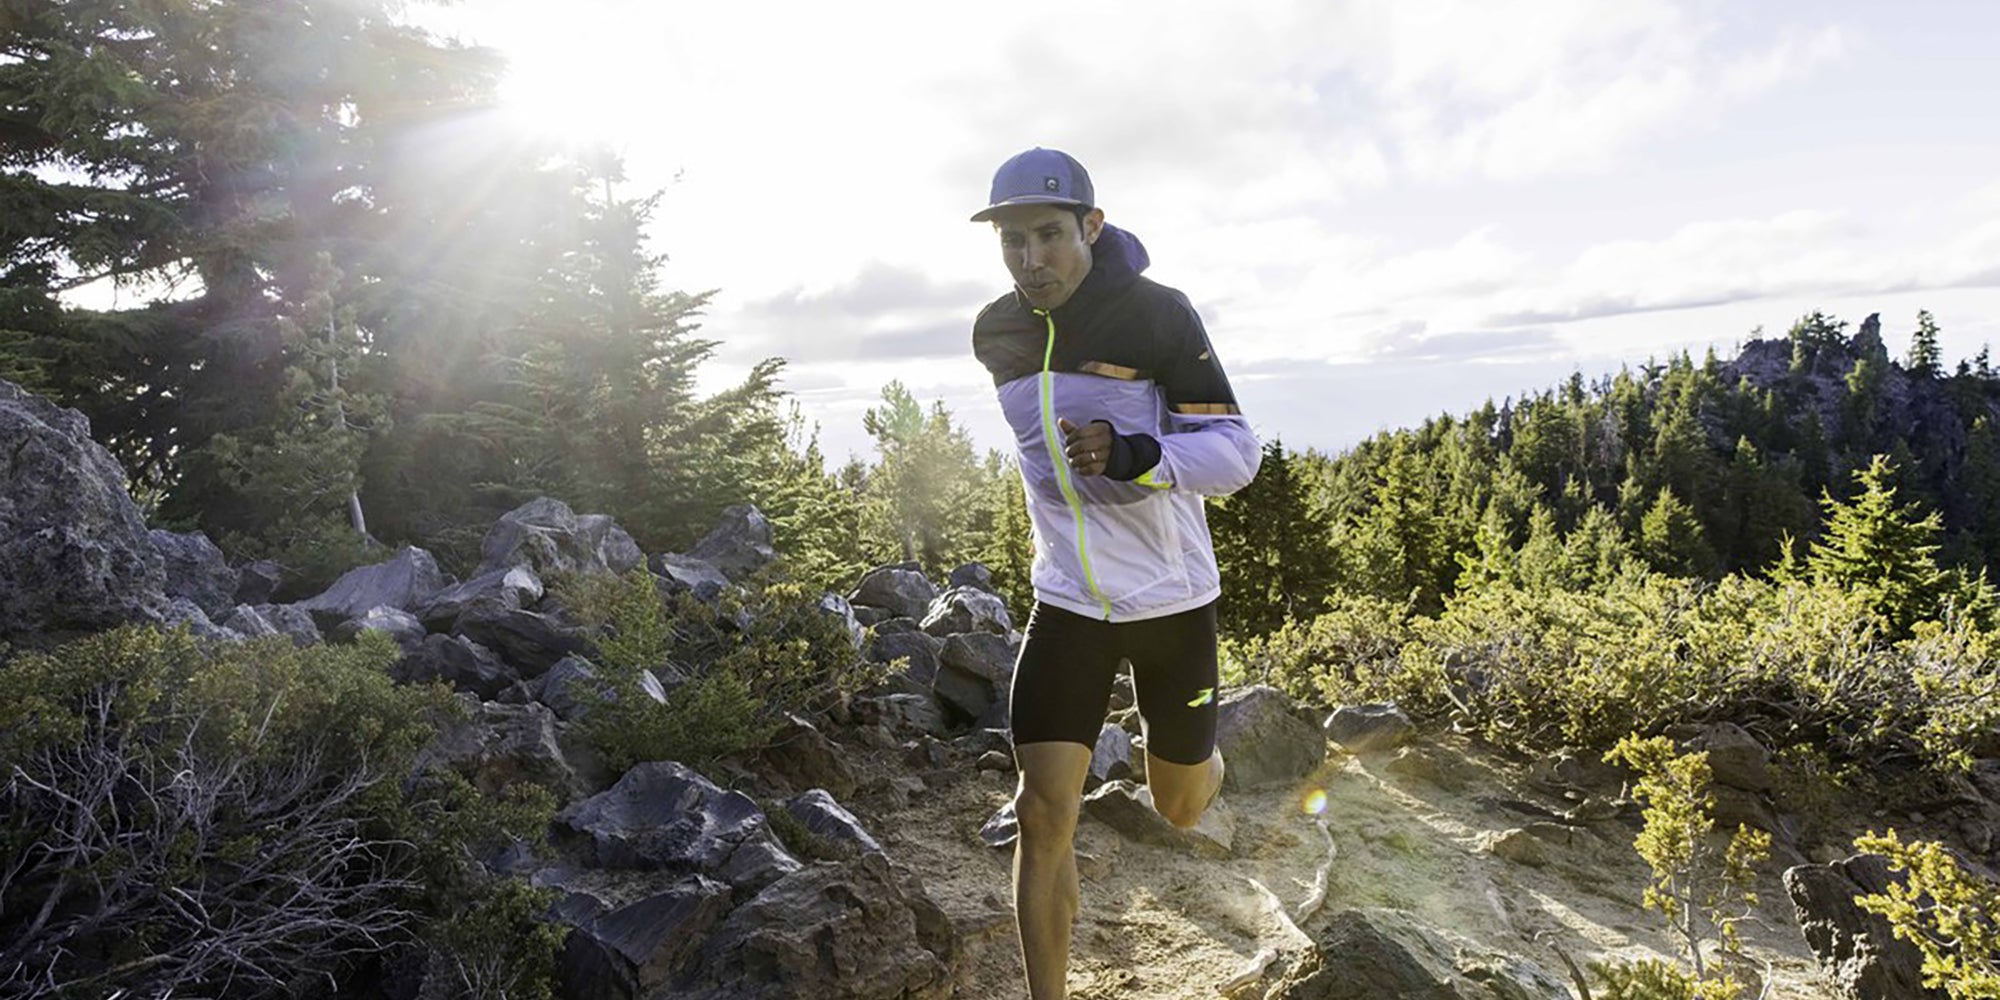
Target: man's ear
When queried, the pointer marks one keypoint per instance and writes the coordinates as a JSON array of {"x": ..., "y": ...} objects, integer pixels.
[{"x": 1093, "y": 223}]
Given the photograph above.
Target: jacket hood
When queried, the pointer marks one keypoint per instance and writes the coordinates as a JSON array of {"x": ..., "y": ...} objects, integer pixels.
[
  {"x": 1116, "y": 260},
  {"x": 1117, "y": 256}
]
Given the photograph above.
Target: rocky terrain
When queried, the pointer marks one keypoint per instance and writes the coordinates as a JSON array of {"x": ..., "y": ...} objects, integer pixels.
[{"x": 1352, "y": 854}]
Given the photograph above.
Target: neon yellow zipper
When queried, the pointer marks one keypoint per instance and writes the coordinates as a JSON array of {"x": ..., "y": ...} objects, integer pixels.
[{"x": 1061, "y": 462}]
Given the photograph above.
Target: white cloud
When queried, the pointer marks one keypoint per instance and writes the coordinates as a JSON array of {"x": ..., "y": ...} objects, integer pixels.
[{"x": 1339, "y": 182}]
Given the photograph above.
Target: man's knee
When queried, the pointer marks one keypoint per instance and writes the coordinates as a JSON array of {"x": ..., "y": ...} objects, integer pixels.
[{"x": 1045, "y": 820}]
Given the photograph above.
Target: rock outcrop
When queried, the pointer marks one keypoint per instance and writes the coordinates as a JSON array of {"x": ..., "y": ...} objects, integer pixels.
[
  {"x": 75, "y": 554},
  {"x": 1856, "y": 949},
  {"x": 1372, "y": 954},
  {"x": 1264, "y": 740},
  {"x": 546, "y": 536}
]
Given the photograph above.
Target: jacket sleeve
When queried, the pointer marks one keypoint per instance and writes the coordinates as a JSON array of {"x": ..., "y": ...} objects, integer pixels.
[{"x": 1208, "y": 447}]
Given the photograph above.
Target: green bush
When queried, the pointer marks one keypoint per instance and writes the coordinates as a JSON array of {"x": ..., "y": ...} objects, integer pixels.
[
  {"x": 1951, "y": 915},
  {"x": 1347, "y": 654},
  {"x": 178, "y": 818},
  {"x": 1702, "y": 891},
  {"x": 1538, "y": 669},
  {"x": 1647, "y": 979},
  {"x": 747, "y": 662}
]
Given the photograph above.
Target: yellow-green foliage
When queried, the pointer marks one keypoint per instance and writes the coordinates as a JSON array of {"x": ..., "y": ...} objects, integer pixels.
[
  {"x": 748, "y": 661},
  {"x": 1955, "y": 668},
  {"x": 1702, "y": 891},
  {"x": 154, "y": 787},
  {"x": 1951, "y": 915},
  {"x": 1646, "y": 979},
  {"x": 1538, "y": 668},
  {"x": 1347, "y": 654}
]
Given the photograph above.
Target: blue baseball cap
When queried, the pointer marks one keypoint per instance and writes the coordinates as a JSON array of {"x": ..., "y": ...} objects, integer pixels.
[{"x": 1038, "y": 177}]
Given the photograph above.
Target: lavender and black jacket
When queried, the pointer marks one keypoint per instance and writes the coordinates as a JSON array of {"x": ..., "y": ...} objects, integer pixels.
[{"x": 1131, "y": 544}]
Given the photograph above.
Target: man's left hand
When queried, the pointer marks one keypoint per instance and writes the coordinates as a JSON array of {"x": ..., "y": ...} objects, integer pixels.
[{"x": 1088, "y": 447}]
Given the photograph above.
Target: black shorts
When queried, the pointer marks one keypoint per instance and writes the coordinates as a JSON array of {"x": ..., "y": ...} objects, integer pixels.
[{"x": 1062, "y": 681}]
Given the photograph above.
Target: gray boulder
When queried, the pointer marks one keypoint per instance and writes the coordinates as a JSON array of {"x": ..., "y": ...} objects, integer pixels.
[
  {"x": 571, "y": 688},
  {"x": 964, "y": 609},
  {"x": 1369, "y": 728},
  {"x": 1002, "y": 828},
  {"x": 1127, "y": 807},
  {"x": 498, "y": 745},
  {"x": 679, "y": 574},
  {"x": 638, "y": 949},
  {"x": 975, "y": 670},
  {"x": 824, "y": 815},
  {"x": 246, "y": 622},
  {"x": 459, "y": 662},
  {"x": 836, "y": 607},
  {"x": 506, "y": 589},
  {"x": 903, "y": 711},
  {"x": 401, "y": 626},
  {"x": 273, "y": 619},
  {"x": 529, "y": 641},
  {"x": 1263, "y": 739},
  {"x": 900, "y": 589},
  {"x": 256, "y": 581},
  {"x": 181, "y": 612},
  {"x": 1111, "y": 758},
  {"x": 801, "y": 757},
  {"x": 404, "y": 583},
  {"x": 663, "y": 815},
  {"x": 74, "y": 551},
  {"x": 919, "y": 651},
  {"x": 1374, "y": 953},
  {"x": 842, "y": 931},
  {"x": 972, "y": 574},
  {"x": 196, "y": 570},
  {"x": 740, "y": 543},
  {"x": 1856, "y": 949},
  {"x": 547, "y": 537},
  {"x": 1735, "y": 758}
]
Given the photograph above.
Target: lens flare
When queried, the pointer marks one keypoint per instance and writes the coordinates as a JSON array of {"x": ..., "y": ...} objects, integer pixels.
[{"x": 1316, "y": 802}]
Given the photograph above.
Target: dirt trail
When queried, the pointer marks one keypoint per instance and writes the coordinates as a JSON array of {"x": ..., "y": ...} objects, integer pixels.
[{"x": 1413, "y": 833}]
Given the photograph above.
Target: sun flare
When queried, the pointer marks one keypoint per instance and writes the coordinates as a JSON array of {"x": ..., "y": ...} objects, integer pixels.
[{"x": 576, "y": 83}]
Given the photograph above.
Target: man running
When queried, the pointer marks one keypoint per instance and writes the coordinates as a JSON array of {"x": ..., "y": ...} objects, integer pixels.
[{"x": 1123, "y": 421}]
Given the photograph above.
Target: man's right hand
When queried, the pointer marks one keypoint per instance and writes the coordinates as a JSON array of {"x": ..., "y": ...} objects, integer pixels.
[{"x": 1088, "y": 447}]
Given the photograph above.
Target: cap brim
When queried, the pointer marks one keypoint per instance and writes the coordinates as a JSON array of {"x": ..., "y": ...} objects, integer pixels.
[{"x": 1027, "y": 199}]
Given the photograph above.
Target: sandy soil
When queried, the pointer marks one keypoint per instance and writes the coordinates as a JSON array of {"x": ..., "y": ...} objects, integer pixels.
[{"x": 1413, "y": 830}]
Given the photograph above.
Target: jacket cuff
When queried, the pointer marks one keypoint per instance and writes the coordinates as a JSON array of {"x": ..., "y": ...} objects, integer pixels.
[{"x": 1132, "y": 455}]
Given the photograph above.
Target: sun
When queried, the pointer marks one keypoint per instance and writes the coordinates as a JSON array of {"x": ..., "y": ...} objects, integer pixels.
[{"x": 560, "y": 88}]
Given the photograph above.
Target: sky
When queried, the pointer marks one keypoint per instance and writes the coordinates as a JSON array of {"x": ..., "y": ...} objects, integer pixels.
[{"x": 1383, "y": 210}]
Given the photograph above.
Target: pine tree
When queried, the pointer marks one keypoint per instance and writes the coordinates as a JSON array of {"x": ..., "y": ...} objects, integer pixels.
[
  {"x": 296, "y": 485},
  {"x": 1924, "y": 358},
  {"x": 221, "y": 148},
  {"x": 1398, "y": 547},
  {"x": 1881, "y": 549},
  {"x": 918, "y": 494},
  {"x": 1008, "y": 549},
  {"x": 1672, "y": 540},
  {"x": 1271, "y": 549},
  {"x": 816, "y": 517}
]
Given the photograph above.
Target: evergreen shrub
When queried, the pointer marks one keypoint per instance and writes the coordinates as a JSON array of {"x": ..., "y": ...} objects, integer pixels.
[
  {"x": 738, "y": 666},
  {"x": 248, "y": 819}
]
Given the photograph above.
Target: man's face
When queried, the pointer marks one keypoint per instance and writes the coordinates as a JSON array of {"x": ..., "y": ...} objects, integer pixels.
[{"x": 1046, "y": 250}]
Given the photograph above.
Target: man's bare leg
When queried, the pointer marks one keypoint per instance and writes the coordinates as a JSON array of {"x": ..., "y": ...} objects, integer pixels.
[
  {"x": 1182, "y": 792},
  {"x": 1045, "y": 881}
]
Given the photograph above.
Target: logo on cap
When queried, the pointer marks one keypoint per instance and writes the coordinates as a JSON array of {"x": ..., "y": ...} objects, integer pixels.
[{"x": 1052, "y": 184}]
